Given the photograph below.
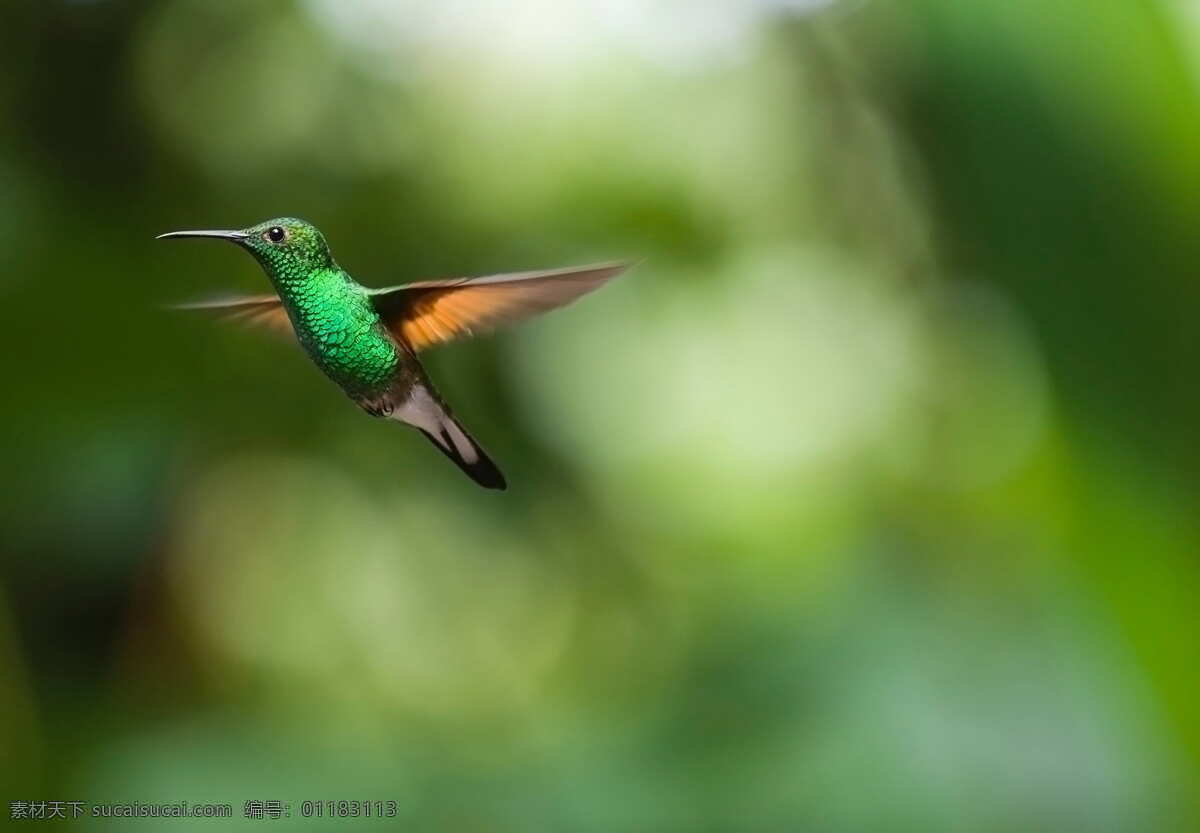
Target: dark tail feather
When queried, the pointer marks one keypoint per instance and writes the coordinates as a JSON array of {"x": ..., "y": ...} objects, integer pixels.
[
  {"x": 454, "y": 441},
  {"x": 424, "y": 410}
]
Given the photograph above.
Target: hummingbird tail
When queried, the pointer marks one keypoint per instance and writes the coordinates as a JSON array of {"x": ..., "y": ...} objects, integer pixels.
[
  {"x": 431, "y": 418},
  {"x": 459, "y": 446}
]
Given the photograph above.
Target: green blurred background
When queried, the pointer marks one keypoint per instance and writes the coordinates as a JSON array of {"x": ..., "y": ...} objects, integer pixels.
[{"x": 868, "y": 502}]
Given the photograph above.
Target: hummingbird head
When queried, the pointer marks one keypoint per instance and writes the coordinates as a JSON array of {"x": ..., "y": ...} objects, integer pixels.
[{"x": 287, "y": 248}]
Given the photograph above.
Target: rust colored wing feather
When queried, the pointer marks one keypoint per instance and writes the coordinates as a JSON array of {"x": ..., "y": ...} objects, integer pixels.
[
  {"x": 253, "y": 310},
  {"x": 425, "y": 314}
]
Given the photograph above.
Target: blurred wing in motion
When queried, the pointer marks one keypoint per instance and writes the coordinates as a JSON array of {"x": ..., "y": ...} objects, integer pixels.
[
  {"x": 424, "y": 314},
  {"x": 254, "y": 310}
]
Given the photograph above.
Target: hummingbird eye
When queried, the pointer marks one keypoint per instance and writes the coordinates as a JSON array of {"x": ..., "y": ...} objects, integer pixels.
[{"x": 275, "y": 234}]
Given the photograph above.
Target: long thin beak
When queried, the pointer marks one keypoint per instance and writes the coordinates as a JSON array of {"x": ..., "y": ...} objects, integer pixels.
[{"x": 223, "y": 235}]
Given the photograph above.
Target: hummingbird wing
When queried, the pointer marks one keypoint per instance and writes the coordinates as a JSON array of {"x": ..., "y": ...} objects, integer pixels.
[
  {"x": 425, "y": 314},
  {"x": 258, "y": 310}
]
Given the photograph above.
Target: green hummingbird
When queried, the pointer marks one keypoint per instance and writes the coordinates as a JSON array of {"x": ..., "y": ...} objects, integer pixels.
[{"x": 367, "y": 340}]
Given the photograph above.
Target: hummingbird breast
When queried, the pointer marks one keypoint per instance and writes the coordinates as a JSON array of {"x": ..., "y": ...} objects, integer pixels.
[{"x": 340, "y": 330}]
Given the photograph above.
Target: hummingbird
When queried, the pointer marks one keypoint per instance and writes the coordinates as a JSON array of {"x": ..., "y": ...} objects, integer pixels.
[{"x": 367, "y": 340}]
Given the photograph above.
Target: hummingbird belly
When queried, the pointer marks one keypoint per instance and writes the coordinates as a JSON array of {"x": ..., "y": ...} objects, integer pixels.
[{"x": 348, "y": 342}]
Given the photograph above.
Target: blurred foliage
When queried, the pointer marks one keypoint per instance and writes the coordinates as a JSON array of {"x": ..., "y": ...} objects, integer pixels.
[{"x": 865, "y": 503}]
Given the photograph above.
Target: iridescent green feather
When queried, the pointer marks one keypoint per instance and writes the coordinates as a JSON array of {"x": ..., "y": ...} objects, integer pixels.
[{"x": 333, "y": 316}]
